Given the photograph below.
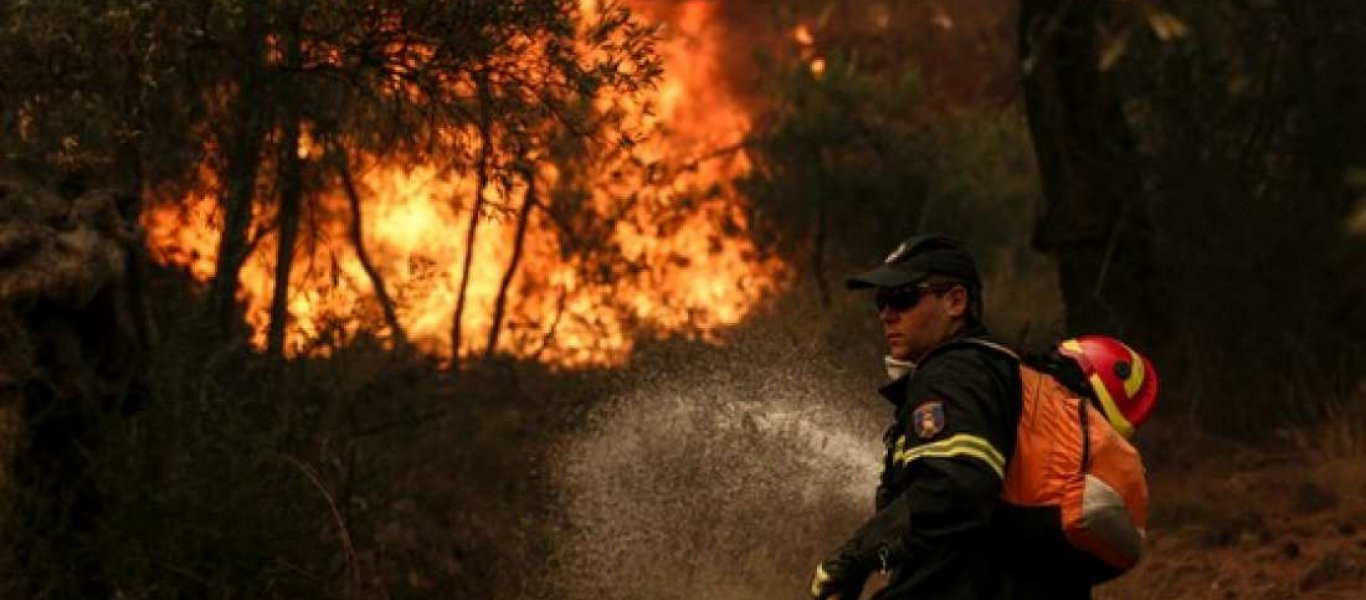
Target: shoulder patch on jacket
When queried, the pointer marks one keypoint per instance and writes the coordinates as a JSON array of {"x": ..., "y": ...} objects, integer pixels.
[{"x": 928, "y": 419}]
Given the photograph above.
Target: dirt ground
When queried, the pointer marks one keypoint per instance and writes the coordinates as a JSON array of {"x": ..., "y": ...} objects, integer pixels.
[{"x": 1232, "y": 521}]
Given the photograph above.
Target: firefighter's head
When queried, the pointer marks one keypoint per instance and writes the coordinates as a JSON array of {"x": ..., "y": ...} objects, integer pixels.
[{"x": 926, "y": 290}]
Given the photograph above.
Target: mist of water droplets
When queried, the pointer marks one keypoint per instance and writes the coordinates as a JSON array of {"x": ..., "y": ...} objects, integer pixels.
[{"x": 725, "y": 478}]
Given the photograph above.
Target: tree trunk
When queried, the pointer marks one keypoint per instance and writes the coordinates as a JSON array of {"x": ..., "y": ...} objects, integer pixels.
[
  {"x": 290, "y": 186},
  {"x": 819, "y": 233},
  {"x": 481, "y": 182},
  {"x": 1096, "y": 223},
  {"x": 243, "y": 162},
  {"x": 358, "y": 241},
  {"x": 529, "y": 174}
]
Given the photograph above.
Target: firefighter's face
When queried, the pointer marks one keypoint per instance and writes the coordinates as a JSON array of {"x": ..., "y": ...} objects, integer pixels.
[{"x": 911, "y": 332}]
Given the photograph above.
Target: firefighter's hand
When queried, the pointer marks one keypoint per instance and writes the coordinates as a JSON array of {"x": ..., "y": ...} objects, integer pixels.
[
  {"x": 875, "y": 583},
  {"x": 836, "y": 579}
]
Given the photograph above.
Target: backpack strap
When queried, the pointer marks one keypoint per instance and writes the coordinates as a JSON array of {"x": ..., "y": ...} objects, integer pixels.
[{"x": 971, "y": 341}]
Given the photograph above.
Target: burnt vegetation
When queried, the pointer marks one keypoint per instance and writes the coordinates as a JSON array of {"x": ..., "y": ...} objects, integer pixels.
[{"x": 1188, "y": 177}]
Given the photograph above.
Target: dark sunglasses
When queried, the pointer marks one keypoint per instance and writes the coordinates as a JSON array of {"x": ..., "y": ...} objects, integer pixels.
[{"x": 907, "y": 296}]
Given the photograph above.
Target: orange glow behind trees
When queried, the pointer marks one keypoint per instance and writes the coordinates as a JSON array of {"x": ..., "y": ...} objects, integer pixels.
[{"x": 622, "y": 240}]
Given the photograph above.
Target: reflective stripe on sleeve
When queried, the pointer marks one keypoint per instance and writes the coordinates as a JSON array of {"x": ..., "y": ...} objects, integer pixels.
[
  {"x": 962, "y": 444},
  {"x": 818, "y": 582}
]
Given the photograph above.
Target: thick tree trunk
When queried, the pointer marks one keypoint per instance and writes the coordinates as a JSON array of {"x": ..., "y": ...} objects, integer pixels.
[
  {"x": 243, "y": 162},
  {"x": 477, "y": 207},
  {"x": 386, "y": 303},
  {"x": 1096, "y": 223},
  {"x": 519, "y": 239}
]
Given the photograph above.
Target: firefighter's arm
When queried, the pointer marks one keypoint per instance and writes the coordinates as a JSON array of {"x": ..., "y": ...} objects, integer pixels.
[
  {"x": 876, "y": 545},
  {"x": 947, "y": 501}
]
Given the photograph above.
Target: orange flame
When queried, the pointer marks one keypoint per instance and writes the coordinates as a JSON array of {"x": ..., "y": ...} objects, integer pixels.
[{"x": 691, "y": 275}]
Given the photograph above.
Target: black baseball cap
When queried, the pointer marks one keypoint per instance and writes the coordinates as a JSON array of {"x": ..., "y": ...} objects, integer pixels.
[{"x": 917, "y": 258}]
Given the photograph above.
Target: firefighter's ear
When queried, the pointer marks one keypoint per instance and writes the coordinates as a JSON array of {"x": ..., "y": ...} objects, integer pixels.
[{"x": 956, "y": 301}]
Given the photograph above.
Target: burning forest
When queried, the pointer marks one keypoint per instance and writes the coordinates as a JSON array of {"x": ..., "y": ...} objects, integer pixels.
[
  {"x": 547, "y": 298},
  {"x": 543, "y": 255}
]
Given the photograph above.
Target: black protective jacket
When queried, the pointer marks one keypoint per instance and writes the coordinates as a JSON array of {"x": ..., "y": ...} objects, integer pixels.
[{"x": 941, "y": 529}]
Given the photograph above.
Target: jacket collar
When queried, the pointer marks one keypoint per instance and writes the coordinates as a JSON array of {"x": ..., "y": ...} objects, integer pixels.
[{"x": 895, "y": 392}]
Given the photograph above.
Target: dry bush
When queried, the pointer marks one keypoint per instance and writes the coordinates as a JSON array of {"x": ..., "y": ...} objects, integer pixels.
[{"x": 366, "y": 474}]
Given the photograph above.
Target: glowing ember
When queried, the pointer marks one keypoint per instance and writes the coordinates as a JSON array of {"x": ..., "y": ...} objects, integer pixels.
[
  {"x": 806, "y": 45},
  {"x": 818, "y": 67},
  {"x": 689, "y": 275}
]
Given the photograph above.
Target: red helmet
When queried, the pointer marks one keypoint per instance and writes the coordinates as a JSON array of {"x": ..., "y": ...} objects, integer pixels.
[{"x": 1123, "y": 380}]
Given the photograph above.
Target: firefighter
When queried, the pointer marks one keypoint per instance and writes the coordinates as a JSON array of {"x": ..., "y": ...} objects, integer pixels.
[{"x": 938, "y": 530}]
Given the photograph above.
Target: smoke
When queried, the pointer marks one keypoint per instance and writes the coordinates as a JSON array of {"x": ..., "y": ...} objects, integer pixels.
[{"x": 716, "y": 478}]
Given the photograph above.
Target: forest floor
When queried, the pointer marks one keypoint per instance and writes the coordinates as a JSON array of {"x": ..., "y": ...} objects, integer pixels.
[{"x": 1232, "y": 521}]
